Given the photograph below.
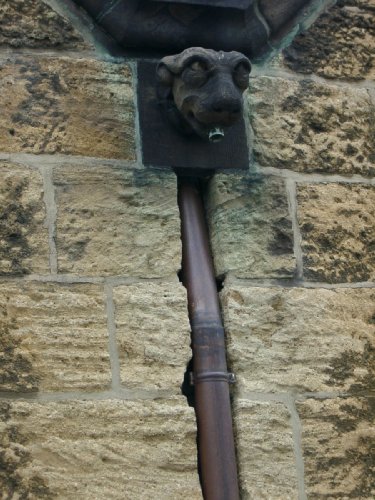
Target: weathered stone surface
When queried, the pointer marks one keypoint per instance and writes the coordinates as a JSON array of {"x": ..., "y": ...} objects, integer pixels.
[
  {"x": 99, "y": 449},
  {"x": 338, "y": 438},
  {"x": 265, "y": 451},
  {"x": 53, "y": 337},
  {"x": 113, "y": 221},
  {"x": 23, "y": 237},
  {"x": 153, "y": 334},
  {"x": 337, "y": 223},
  {"x": 250, "y": 226},
  {"x": 65, "y": 105},
  {"x": 311, "y": 127},
  {"x": 31, "y": 23},
  {"x": 341, "y": 44},
  {"x": 299, "y": 339}
]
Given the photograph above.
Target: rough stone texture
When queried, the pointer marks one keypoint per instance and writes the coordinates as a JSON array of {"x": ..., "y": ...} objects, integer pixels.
[
  {"x": 113, "y": 221},
  {"x": 31, "y": 23},
  {"x": 23, "y": 237},
  {"x": 71, "y": 106},
  {"x": 250, "y": 226},
  {"x": 311, "y": 127},
  {"x": 304, "y": 340},
  {"x": 99, "y": 449},
  {"x": 338, "y": 237},
  {"x": 153, "y": 333},
  {"x": 53, "y": 338},
  {"x": 341, "y": 44},
  {"x": 265, "y": 451},
  {"x": 338, "y": 438}
]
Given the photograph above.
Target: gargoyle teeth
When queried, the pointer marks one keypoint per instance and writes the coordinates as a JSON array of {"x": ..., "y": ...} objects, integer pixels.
[{"x": 216, "y": 134}]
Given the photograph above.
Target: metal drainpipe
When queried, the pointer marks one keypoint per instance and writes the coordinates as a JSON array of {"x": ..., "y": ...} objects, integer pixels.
[{"x": 211, "y": 380}]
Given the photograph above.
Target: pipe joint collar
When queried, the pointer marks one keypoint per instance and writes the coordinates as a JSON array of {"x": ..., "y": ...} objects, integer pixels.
[{"x": 198, "y": 378}]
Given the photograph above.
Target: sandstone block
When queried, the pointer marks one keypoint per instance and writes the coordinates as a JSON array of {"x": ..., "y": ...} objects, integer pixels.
[
  {"x": 113, "y": 221},
  {"x": 338, "y": 443},
  {"x": 250, "y": 226},
  {"x": 153, "y": 334},
  {"x": 112, "y": 449},
  {"x": 32, "y": 23},
  {"x": 23, "y": 236},
  {"x": 53, "y": 338},
  {"x": 300, "y": 340},
  {"x": 311, "y": 127},
  {"x": 265, "y": 451},
  {"x": 341, "y": 44},
  {"x": 337, "y": 225},
  {"x": 65, "y": 105}
]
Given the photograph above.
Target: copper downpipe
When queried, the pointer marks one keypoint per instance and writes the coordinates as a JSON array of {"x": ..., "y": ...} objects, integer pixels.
[{"x": 211, "y": 380}]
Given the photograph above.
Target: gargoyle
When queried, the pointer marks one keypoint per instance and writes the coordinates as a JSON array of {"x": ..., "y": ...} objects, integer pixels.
[{"x": 200, "y": 90}]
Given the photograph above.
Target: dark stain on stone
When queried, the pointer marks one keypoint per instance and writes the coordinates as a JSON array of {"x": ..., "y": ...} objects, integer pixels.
[
  {"x": 14, "y": 457},
  {"x": 16, "y": 223},
  {"x": 77, "y": 249},
  {"x": 329, "y": 255},
  {"x": 40, "y": 109},
  {"x": 334, "y": 268},
  {"x": 56, "y": 83},
  {"x": 27, "y": 23},
  {"x": 332, "y": 43},
  {"x": 282, "y": 237},
  {"x": 347, "y": 450},
  {"x": 271, "y": 197},
  {"x": 351, "y": 150},
  {"x": 277, "y": 302},
  {"x": 342, "y": 369},
  {"x": 316, "y": 116},
  {"x": 371, "y": 156},
  {"x": 290, "y": 104},
  {"x": 16, "y": 369}
]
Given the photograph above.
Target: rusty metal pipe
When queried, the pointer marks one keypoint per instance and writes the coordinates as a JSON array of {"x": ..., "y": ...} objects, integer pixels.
[{"x": 211, "y": 380}]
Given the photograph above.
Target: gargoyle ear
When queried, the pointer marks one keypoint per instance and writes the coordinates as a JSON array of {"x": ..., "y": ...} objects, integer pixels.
[
  {"x": 165, "y": 79},
  {"x": 164, "y": 75}
]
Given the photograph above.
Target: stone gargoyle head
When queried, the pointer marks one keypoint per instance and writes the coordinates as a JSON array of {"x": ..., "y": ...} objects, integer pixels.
[{"x": 200, "y": 90}]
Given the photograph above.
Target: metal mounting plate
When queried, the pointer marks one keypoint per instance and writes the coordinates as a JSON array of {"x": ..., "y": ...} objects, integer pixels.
[{"x": 164, "y": 146}]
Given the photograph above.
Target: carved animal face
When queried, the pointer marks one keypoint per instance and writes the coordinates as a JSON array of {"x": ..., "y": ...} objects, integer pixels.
[{"x": 201, "y": 89}]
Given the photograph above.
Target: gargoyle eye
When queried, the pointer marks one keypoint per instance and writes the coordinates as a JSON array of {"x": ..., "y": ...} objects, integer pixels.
[
  {"x": 196, "y": 73},
  {"x": 241, "y": 74},
  {"x": 198, "y": 66}
]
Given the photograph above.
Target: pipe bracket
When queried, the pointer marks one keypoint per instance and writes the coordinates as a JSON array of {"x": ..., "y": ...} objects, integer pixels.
[{"x": 212, "y": 377}]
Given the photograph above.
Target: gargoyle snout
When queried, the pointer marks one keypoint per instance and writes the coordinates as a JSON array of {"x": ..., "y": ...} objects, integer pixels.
[
  {"x": 225, "y": 101},
  {"x": 231, "y": 105},
  {"x": 222, "y": 110}
]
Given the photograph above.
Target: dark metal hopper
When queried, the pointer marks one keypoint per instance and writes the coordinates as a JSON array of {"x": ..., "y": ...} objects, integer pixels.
[{"x": 153, "y": 27}]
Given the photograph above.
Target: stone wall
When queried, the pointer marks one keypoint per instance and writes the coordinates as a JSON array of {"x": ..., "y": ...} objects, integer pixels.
[
  {"x": 294, "y": 239},
  {"x": 94, "y": 332},
  {"x": 93, "y": 323}
]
